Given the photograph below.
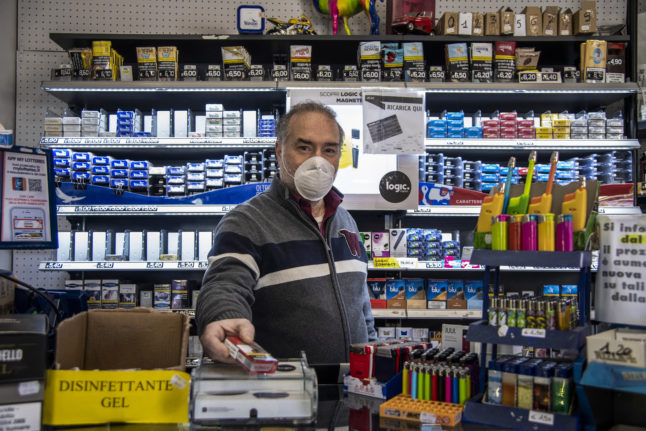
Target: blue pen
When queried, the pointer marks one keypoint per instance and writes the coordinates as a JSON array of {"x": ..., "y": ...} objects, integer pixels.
[{"x": 510, "y": 166}]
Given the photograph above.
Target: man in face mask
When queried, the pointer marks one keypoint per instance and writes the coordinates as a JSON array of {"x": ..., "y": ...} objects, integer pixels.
[{"x": 288, "y": 269}]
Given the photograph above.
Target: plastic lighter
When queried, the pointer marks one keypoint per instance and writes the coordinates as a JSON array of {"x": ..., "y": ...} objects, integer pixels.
[
  {"x": 576, "y": 204},
  {"x": 543, "y": 204},
  {"x": 510, "y": 173},
  {"x": 519, "y": 204}
]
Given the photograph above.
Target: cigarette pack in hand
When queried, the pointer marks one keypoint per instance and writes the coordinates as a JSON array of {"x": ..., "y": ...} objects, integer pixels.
[{"x": 251, "y": 356}]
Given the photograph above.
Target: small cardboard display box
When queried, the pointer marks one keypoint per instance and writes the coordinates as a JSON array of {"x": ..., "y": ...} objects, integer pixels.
[{"x": 119, "y": 366}]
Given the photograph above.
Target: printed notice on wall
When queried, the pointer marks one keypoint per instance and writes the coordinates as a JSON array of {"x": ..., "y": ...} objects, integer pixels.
[
  {"x": 620, "y": 283},
  {"x": 393, "y": 122},
  {"x": 26, "y": 199}
]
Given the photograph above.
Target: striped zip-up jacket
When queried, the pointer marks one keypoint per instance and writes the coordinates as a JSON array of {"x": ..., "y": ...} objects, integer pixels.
[{"x": 302, "y": 290}]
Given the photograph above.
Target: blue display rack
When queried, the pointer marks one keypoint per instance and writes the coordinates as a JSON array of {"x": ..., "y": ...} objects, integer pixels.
[
  {"x": 514, "y": 418},
  {"x": 482, "y": 332}
]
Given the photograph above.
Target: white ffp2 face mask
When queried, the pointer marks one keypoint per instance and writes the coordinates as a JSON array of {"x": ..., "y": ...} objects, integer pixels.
[{"x": 314, "y": 178}]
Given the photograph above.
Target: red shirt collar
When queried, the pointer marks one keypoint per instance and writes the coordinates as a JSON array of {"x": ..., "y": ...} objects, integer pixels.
[{"x": 332, "y": 201}]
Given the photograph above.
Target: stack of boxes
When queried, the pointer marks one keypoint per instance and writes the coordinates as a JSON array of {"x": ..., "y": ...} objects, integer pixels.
[
  {"x": 53, "y": 123},
  {"x": 266, "y": 126},
  {"x": 23, "y": 362},
  {"x": 129, "y": 123},
  {"x": 195, "y": 178},
  {"x": 231, "y": 124},
  {"x": 105, "y": 61},
  {"x": 609, "y": 168},
  {"x": 233, "y": 170},
  {"x": 173, "y": 181},
  {"x": 252, "y": 167},
  {"x": 71, "y": 124},
  {"x": 214, "y": 120},
  {"x": 93, "y": 123},
  {"x": 214, "y": 178},
  {"x": 167, "y": 63}
]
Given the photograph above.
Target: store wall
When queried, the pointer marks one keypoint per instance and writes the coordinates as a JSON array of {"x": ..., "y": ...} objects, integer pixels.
[
  {"x": 8, "y": 36},
  {"x": 37, "y": 54},
  {"x": 8, "y": 32}
]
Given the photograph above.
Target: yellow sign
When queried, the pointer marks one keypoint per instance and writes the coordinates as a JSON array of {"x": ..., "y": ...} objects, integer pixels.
[
  {"x": 93, "y": 397},
  {"x": 385, "y": 262}
]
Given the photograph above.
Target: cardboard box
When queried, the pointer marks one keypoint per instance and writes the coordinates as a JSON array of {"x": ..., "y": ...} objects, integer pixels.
[
  {"x": 23, "y": 351},
  {"x": 473, "y": 292},
  {"x": 377, "y": 288},
  {"x": 593, "y": 60},
  {"x": 612, "y": 347},
  {"x": 366, "y": 239},
  {"x": 478, "y": 24},
  {"x": 533, "y": 21},
  {"x": 380, "y": 244},
  {"x": 396, "y": 293},
  {"x": 436, "y": 293},
  {"x": 107, "y": 346},
  {"x": 565, "y": 23},
  {"x": 585, "y": 19},
  {"x": 492, "y": 24},
  {"x": 506, "y": 17},
  {"x": 415, "y": 293},
  {"x": 551, "y": 21},
  {"x": 398, "y": 243},
  {"x": 448, "y": 24},
  {"x": 456, "y": 299}
]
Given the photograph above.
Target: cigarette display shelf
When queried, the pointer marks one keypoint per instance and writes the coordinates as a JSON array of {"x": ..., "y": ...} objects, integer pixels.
[
  {"x": 143, "y": 146},
  {"x": 93, "y": 266},
  {"x": 474, "y": 211},
  {"x": 392, "y": 313},
  {"x": 516, "y": 145},
  {"x": 250, "y": 94}
]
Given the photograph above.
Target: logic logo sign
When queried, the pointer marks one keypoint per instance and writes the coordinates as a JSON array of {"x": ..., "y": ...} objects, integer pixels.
[{"x": 395, "y": 186}]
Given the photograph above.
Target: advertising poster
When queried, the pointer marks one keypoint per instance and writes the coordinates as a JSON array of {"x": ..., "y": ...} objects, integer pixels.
[
  {"x": 27, "y": 204},
  {"x": 620, "y": 294},
  {"x": 393, "y": 122},
  {"x": 368, "y": 181}
]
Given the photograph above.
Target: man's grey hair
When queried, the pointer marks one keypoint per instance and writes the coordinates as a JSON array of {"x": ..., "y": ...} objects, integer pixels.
[{"x": 282, "y": 128}]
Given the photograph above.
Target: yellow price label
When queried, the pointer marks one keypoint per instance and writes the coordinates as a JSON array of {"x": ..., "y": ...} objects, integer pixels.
[{"x": 385, "y": 262}]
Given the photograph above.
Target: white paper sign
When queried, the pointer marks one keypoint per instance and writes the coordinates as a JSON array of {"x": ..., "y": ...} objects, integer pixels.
[
  {"x": 541, "y": 417},
  {"x": 519, "y": 25},
  {"x": 393, "y": 122},
  {"x": 620, "y": 294},
  {"x": 466, "y": 21}
]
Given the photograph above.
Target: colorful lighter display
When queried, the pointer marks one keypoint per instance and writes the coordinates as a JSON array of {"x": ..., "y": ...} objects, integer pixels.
[{"x": 521, "y": 223}]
